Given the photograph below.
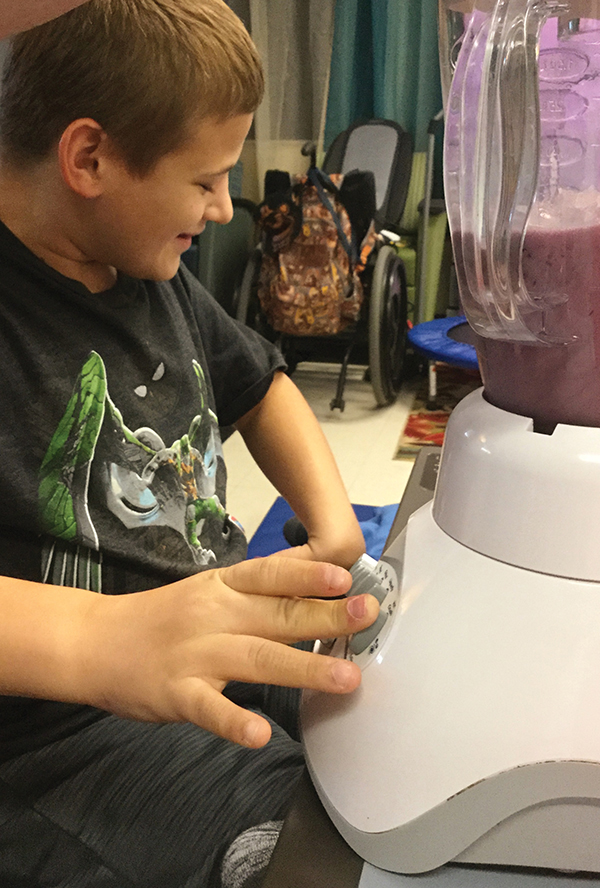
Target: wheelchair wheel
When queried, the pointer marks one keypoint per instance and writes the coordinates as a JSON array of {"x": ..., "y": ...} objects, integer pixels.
[
  {"x": 246, "y": 303},
  {"x": 387, "y": 326}
]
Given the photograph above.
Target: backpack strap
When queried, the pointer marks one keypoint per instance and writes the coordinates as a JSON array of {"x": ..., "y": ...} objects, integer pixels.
[{"x": 320, "y": 181}]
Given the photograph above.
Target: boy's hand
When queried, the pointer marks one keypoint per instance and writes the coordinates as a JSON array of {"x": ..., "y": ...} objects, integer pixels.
[
  {"x": 166, "y": 654},
  {"x": 340, "y": 543}
]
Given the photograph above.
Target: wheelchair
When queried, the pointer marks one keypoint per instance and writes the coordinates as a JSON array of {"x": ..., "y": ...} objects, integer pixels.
[{"x": 379, "y": 337}]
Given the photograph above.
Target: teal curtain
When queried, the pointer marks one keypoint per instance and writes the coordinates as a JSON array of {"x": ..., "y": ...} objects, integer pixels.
[{"x": 384, "y": 64}]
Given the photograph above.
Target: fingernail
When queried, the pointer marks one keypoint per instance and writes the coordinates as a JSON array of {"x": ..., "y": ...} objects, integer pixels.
[
  {"x": 249, "y": 735},
  {"x": 357, "y": 606},
  {"x": 344, "y": 674},
  {"x": 337, "y": 578}
]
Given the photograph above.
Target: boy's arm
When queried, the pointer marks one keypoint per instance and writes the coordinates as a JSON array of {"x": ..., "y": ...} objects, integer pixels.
[
  {"x": 19, "y": 15},
  {"x": 166, "y": 654},
  {"x": 285, "y": 438}
]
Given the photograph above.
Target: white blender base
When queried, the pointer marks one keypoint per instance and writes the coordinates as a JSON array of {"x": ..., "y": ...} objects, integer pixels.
[{"x": 475, "y": 735}]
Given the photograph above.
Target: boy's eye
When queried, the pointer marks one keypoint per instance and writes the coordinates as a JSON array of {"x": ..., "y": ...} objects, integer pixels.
[{"x": 207, "y": 188}]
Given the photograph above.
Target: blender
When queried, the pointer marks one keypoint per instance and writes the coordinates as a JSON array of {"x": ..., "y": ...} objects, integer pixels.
[{"x": 475, "y": 734}]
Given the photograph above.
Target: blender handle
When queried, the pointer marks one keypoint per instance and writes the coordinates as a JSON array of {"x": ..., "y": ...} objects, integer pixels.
[
  {"x": 492, "y": 156},
  {"x": 513, "y": 86},
  {"x": 512, "y": 128}
]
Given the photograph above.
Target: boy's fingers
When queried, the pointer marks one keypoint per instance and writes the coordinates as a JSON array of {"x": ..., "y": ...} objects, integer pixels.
[
  {"x": 296, "y": 619},
  {"x": 215, "y": 713},
  {"x": 281, "y": 612},
  {"x": 280, "y": 575},
  {"x": 262, "y": 662},
  {"x": 268, "y": 662}
]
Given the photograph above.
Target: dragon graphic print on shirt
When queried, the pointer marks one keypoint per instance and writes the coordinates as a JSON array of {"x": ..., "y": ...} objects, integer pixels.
[{"x": 102, "y": 482}]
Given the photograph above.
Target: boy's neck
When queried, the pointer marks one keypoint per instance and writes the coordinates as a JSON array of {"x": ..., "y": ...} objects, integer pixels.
[{"x": 42, "y": 217}]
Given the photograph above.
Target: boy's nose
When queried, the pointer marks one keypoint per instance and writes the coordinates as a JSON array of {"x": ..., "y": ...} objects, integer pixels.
[{"x": 220, "y": 208}]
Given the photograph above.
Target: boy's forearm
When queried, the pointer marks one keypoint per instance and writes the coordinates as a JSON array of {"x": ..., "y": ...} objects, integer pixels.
[
  {"x": 41, "y": 628},
  {"x": 286, "y": 440}
]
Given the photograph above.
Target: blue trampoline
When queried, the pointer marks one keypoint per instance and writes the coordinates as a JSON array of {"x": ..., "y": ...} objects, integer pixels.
[{"x": 446, "y": 339}]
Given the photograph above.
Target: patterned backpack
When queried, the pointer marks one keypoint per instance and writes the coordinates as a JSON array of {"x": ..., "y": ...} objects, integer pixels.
[{"x": 309, "y": 282}]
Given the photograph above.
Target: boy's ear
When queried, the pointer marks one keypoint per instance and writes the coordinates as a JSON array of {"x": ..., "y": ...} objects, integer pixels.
[{"x": 83, "y": 154}]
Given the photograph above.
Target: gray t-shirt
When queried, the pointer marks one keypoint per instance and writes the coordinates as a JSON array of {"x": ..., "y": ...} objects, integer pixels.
[{"x": 112, "y": 475}]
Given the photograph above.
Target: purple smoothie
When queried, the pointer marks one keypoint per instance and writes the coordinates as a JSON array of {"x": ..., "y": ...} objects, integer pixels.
[{"x": 559, "y": 382}]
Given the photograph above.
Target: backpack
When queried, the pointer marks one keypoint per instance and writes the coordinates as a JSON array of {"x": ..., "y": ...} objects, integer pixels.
[{"x": 309, "y": 282}]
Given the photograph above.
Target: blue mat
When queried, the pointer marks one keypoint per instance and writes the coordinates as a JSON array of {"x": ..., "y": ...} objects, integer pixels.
[{"x": 375, "y": 523}]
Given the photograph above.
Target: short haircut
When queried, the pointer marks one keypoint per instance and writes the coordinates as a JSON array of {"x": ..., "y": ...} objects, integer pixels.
[{"x": 146, "y": 71}]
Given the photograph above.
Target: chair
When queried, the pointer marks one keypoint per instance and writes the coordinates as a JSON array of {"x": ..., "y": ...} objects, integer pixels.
[
  {"x": 384, "y": 149},
  {"x": 444, "y": 339},
  {"x": 423, "y": 223}
]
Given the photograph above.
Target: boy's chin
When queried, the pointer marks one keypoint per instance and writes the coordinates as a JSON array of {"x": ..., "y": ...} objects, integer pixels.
[{"x": 163, "y": 271}]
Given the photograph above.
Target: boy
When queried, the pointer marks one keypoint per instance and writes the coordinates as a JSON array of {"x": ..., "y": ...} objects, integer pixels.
[{"x": 118, "y": 125}]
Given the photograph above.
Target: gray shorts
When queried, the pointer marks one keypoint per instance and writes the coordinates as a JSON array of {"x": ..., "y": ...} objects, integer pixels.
[{"x": 123, "y": 804}]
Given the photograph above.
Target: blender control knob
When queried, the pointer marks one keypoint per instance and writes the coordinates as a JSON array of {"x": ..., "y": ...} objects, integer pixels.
[
  {"x": 365, "y": 580},
  {"x": 361, "y": 640}
]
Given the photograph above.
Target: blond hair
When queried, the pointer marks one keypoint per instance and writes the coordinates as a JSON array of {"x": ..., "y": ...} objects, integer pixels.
[{"x": 145, "y": 70}]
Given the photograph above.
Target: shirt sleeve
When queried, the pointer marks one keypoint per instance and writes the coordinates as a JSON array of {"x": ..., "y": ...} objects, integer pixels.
[{"x": 241, "y": 362}]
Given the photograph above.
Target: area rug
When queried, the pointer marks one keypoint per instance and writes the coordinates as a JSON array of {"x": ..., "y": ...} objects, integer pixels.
[
  {"x": 375, "y": 523},
  {"x": 426, "y": 424}
]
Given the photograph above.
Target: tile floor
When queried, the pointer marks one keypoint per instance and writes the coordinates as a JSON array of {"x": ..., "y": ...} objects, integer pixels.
[{"x": 363, "y": 439}]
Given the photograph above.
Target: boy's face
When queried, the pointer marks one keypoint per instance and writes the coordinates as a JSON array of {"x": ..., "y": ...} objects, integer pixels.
[{"x": 145, "y": 224}]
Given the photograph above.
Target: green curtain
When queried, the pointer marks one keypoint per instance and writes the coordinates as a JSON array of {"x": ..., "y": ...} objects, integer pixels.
[{"x": 384, "y": 64}]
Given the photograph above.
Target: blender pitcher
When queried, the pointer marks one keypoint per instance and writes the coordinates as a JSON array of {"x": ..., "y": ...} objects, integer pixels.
[{"x": 522, "y": 185}]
